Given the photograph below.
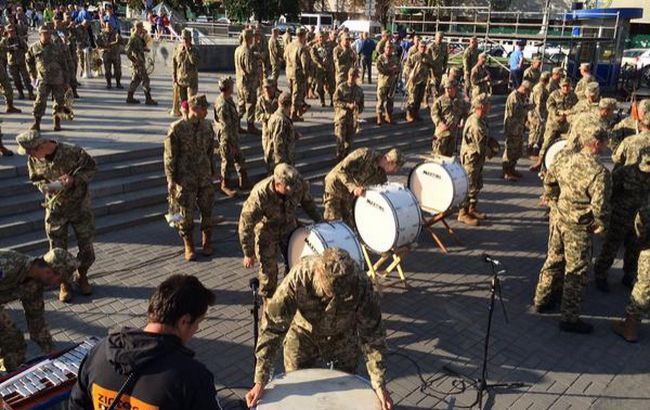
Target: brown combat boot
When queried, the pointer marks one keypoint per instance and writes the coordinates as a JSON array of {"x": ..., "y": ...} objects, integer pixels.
[
  {"x": 148, "y": 100},
  {"x": 130, "y": 99},
  {"x": 57, "y": 123},
  {"x": 230, "y": 193},
  {"x": 36, "y": 125},
  {"x": 206, "y": 243},
  {"x": 507, "y": 173},
  {"x": 465, "y": 217},
  {"x": 253, "y": 130},
  {"x": 65, "y": 292},
  {"x": 243, "y": 180},
  {"x": 473, "y": 210},
  {"x": 628, "y": 329},
  {"x": 190, "y": 255},
  {"x": 11, "y": 109},
  {"x": 379, "y": 119},
  {"x": 85, "y": 287},
  {"x": 409, "y": 116}
]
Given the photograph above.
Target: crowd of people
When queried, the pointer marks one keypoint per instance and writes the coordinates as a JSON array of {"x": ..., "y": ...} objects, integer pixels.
[{"x": 339, "y": 317}]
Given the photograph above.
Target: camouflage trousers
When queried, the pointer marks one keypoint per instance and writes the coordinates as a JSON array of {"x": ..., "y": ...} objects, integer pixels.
[
  {"x": 231, "y": 157},
  {"x": 21, "y": 77},
  {"x": 81, "y": 60},
  {"x": 551, "y": 134},
  {"x": 190, "y": 195},
  {"x": 319, "y": 84},
  {"x": 182, "y": 92},
  {"x": 385, "y": 100},
  {"x": 139, "y": 76},
  {"x": 298, "y": 90},
  {"x": 480, "y": 89},
  {"x": 270, "y": 242},
  {"x": 415, "y": 96},
  {"x": 433, "y": 88},
  {"x": 639, "y": 304},
  {"x": 536, "y": 131},
  {"x": 467, "y": 85},
  {"x": 514, "y": 142},
  {"x": 246, "y": 100},
  {"x": 620, "y": 232},
  {"x": 338, "y": 203},
  {"x": 445, "y": 143},
  {"x": 7, "y": 91},
  {"x": 303, "y": 350},
  {"x": 551, "y": 277},
  {"x": 42, "y": 94},
  {"x": 82, "y": 221},
  {"x": 112, "y": 68},
  {"x": 275, "y": 70},
  {"x": 268, "y": 155},
  {"x": 569, "y": 252},
  {"x": 473, "y": 165},
  {"x": 344, "y": 130},
  {"x": 330, "y": 81}
]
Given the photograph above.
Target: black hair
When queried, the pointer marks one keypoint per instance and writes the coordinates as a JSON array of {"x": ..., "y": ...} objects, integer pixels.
[{"x": 179, "y": 295}]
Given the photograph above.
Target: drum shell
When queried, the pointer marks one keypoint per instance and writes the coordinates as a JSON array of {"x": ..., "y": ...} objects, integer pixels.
[
  {"x": 439, "y": 186},
  {"x": 552, "y": 151},
  {"x": 314, "y": 239}
]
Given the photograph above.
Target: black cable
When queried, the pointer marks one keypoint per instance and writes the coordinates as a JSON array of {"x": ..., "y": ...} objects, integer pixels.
[{"x": 241, "y": 404}]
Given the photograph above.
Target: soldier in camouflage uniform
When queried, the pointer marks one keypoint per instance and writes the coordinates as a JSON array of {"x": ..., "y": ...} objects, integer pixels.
[
  {"x": 16, "y": 49},
  {"x": 226, "y": 120},
  {"x": 299, "y": 318},
  {"x": 318, "y": 55},
  {"x": 282, "y": 135},
  {"x": 559, "y": 105},
  {"x": 296, "y": 57},
  {"x": 534, "y": 72},
  {"x": 447, "y": 114},
  {"x": 330, "y": 69},
  {"x": 454, "y": 74},
  {"x": 480, "y": 76},
  {"x": 470, "y": 58},
  {"x": 267, "y": 104},
  {"x": 537, "y": 115},
  {"x": 628, "y": 126},
  {"x": 267, "y": 219},
  {"x": 514, "y": 127},
  {"x": 418, "y": 66},
  {"x": 62, "y": 172},
  {"x": 275, "y": 54},
  {"x": 262, "y": 46},
  {"x": 554, "y": 83},
  {"x": 628, "y": 152},
  {"x": 388, "y": 68},
  {"x": 350, "y": 178},
  {"x": 639, "y": 304},
  {"x": 439, "y": 55},
  {"x": 109, "y": 43},
  {"x": 581, "y": 187},
  {"x": 24, "y": 278},
  {"x": 135, "y": 49},
  {"x": 383, "y": 41},
  {"x": 248, "y": 78},
  {"x": 414, "y": 49},
  {"x": 473, "y": 151},
  {"x": 348, "y": 105},
  {"x": 588, "y": 104},
  {"x": 67, "y": 31},
  {"x": 185, "y": 71},
  {"x": 190, "y": 169},
  {"x": 581, "y": 85},
  {"x": 344, "y": 59}
]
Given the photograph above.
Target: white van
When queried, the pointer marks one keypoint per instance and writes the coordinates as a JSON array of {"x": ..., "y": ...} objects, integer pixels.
[
  {"x": 321, "y": 22},
  {"x": 363, "y": 26}
]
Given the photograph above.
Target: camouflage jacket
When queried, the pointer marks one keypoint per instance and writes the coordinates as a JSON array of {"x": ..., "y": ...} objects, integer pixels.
[
  {"x": 439, "y": 55},
  {"x": 475, "y": 138},
  {"x": 450, "y": 111},
  {"x": 265, "y": 108},
  {"x": 583, "y": 107},
  {"x": 625, "y": 128},
  {"x": 296, "y": 61},
  {"x": 300, "y": 304},
  {"x": 67, "y": 159},
  {"x": 15, "y": 284},
  {"x": 539, "y": 97},
  {"x": 379, "y": 48},
  {"x": 275, "y": 50},
  {"x": 514, "y": 119},
  {"x": 272, "y": 211},
  {"x": 189, "y": 152},
  {"x": 470, "y": 58},
  {"x": 419, "y": 65},
  {"x": 48, "y": 62},
  {"x": 387, "y": 70},
  {"x": 552, "y": 85},
  {"x": 630, "y": 190},
  {"x": 83, "y": 38},
  {"x": 581, "y": 86},
  {"x": 226, "y": 119},
  {"x": 16, "y": 49},
  {"x": 344, "y": 95},
  {"x": 642, "y": 227},
  {"x": 318, "y": 55},
  {"x": 584, "y": 186},
  {"x": 628, "y": 152},
  {"x": 344, "y": 59},
  {"x": 478, "y": 78},
  {"x": 282, "y": 138},
  {"x": 558, "y": 106},
  {"x": 135, "y": 49},
  {"x": 185, "y": 66},
  {"x": 532, "y": 75},
  {"x": 247, "y": 67},
  {"x": 358, "y": 169},
  {"x": 110, "y": 44}
]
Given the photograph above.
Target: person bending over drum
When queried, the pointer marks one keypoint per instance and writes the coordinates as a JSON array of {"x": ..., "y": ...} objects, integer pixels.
[
  {"x": 324, "y": 312},
  {"x": 350, "y": 177}
]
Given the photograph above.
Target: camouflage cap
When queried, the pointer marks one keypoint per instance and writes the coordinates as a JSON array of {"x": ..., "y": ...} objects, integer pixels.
[
  {"x": 593, "y": 89},
  {"x": 337, "y": 272},
  {"x": 198, "y": 100},
  {"x": 186, "y": 33},
  {"x": 62, "y": 262},
  {"x": 480, "y": 100},
  {"x": 225, "y": 82},
  {"x": 449, "y": 83},
  {"x": 557, "y": 70},
  {"x": 565, "y": 81},
  {"x": 644, "y": 106},
  {"x": 287, "y": 175},
  {"x": 285, "y": 99},
  {"x": 545, "y": 76},
  {"x": 610, "y": 103},
  {"x": 395, "y": 156},
  {"x": 353, "y": 71},
  {"x": 455, "y": 70},
  {"x": 527, "y": 85},
  {"x": 591, "y": 132},
  {"x": 28, "y": 141},
  {"x": 138, "y": 24}
]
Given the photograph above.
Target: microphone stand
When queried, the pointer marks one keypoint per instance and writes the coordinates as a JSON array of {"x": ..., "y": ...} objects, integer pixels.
[
  {"x": 481, "y": 383},
  {"x": 254, "y": 284}
]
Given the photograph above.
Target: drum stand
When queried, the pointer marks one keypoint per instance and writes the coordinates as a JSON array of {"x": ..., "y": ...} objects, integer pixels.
[
  {"x": 481, "y": 383},
  {"x": 374, "y": 269},
  {"x": 428, "y": 225}
]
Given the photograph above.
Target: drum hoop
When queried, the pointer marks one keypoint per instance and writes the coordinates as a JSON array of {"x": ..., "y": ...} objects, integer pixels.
[
  {"x": 549, "y": 146},
  {"x": 419, "y": 212},
  {"x": 357, "y": 243},
  {"x": 318, "y": 235}
]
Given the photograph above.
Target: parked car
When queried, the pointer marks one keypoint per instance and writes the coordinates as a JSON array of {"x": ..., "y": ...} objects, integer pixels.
[
  {"x": 637, "y": 57},
  {"x": 291, "y": 27}
]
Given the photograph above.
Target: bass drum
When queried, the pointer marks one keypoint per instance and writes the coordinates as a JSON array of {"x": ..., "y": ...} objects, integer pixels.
[
  {"x": 439, "y": 185},
  {"x": 552, "y": 151},
  {"x": 314, "y": 239},
  {"x": 318, "y": 389},
  {"x": 387, "y": 217}
]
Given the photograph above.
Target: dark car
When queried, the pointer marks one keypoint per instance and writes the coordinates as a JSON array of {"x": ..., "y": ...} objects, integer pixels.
[{"x": 284, "y": 27}]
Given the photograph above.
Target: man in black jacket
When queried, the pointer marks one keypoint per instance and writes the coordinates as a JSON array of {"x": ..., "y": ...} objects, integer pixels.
[{"x": 162, "y": 373}]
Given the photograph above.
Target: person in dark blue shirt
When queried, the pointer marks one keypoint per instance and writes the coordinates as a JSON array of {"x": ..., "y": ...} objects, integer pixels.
[
  {"x": 112, "y": 19},
  {"x": 365, "y": 55},
  {"x": 517, "y": 65}
]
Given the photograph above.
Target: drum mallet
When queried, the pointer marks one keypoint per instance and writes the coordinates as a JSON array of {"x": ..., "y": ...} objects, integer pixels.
[{"x": 254, "y": 284}]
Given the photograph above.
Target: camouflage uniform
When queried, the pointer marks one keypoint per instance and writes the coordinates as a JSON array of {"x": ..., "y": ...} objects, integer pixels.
[
  {"x": 439, "y": 55},
  {"x": 247, "y": 80},
  {"x": 266, "y": 221},
  {"x": 345, "y": 118},
  {"x": 49, "y": 64},
  {"x": 185, "y": 72},
  {"x": 470, "y": 57},
  {"x": 282, "y": 139},
  {"x": 275, "y": 56},
  {"x": 227, "y": 122},
  {"x": 418, "y": 65},
  {"x": 316, "y": 328},
  {"x": 629, "y": 151},
  {"x": 582, "y": 205},
  {"x": 296, "y": 67},
  {"x": 451, "y": 112},
  {"x": 344, "y": 59},
  {"x": 477, "y": 79},
  {"x": 473, "y": 151},
  {"x": 135, "y": 50},
  {"x": 109, "y": 42},
  {"x": 538, "y": 115},
  {"x": 639, "y": 304},
  {"x": 82, "y": 42},
  {"x": 557, "y": 123},
  {"x": 5, "y": 84},
  {"x": 625, "y": 128},
  {"x": 514, "y": 126},
  {"x": 386, "y": 83},
  {"x": 16, "y": 49},
  {"x": 552, "y": 85},
  {"x": 359, "y": 169},
  {"x": 330, "y": 70},
  {"x": 581, "y": 86},
  {"x": 318, "y": 55},
  {"x": 263, "y": 112},
  {"x": 189, "y": 163},
  {"x": 531, "y": 74}
]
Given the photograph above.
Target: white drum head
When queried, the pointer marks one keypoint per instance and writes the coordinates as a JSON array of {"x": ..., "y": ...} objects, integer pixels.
[
  {"x": 433, "y": 187},
  {"x": 298, "y": 247},
  {"x": 318, "y": 389},
  {"x": 552, "y": 151},
  {"x": 314, "y": 239},
  {"x": 376, "y": 221}
]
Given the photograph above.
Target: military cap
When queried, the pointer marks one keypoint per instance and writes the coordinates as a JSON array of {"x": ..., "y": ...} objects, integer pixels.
[
  {"x": 186, "y": 33},
  {"x": 545, "y": 76},
  {"x": 275, "y": 30},
  {"x": 557, "y": 70},
  {"x": 337, "y": 272},
  {"x": 198, "y": 100},
  {"x": 285, "y": 99},
  {"x": 527, "y": 85},
  {"x": 565, "y": 81},
  {"x": 62, "y": 262},
  {"x": 449, "y": 83},
  {"x": 394, "y": 155},
  {"x": 644, "y": 106},
  {"x": 269, "y": 82},
  {"x": 139, "y": 24},
  {"x": 592, "y": 89},
  {"x": 644, "y": 160},
  {"x": 344, "y": 36},
  {"x": 592, "y": 132},
  {"x": 585, "y": 66},
  {"x": 610, "y": 103},
  {"x": 286, "y": 175},
  {"x": 480, "y": 100},
  {"x": 225, "y": 82},
  {"x": 28, "y": 141}
]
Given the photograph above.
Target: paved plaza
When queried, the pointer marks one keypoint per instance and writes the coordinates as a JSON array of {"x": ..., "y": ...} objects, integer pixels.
[{"x": 439, "y": 321}]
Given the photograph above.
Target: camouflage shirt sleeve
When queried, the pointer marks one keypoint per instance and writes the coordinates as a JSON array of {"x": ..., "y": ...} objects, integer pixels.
[
  {"x": 251, "y": 214},
  {"x": 86, "y": 167},
  {"x": 170, "y": 155},
  {"x": 600, "y": 193},
  {"x": 31, "y": 63},
  {"x": 352, "y": 166},
  {"x": 307, "y": 203},
  {"x": 551, "y": 186},
  {"x": 436, "y": 112},
  {"x": 372, "y": 334},
  {"x": 36, "y": 178},
  {"x": 32, "y": 301}
]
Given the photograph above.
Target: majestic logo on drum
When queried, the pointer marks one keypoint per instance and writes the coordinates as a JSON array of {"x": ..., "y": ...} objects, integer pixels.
[
  {"x": 311, "y": 246},
  {"x": 374, "y": 204},
  {"x": 431, "y": 174}
]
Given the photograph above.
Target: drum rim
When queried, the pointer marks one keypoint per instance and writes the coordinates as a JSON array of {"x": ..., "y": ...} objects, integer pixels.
[
  {"x": 288, "y": 246},
  {"x": 549, "y": 147},
  {"x": 357, "y": 242},
  {"x": 331, "y": 223},
  {"x": 432, "y": 211}
]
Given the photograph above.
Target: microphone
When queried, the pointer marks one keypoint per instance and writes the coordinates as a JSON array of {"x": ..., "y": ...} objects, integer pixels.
[{"x": 487, "y": 258}]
